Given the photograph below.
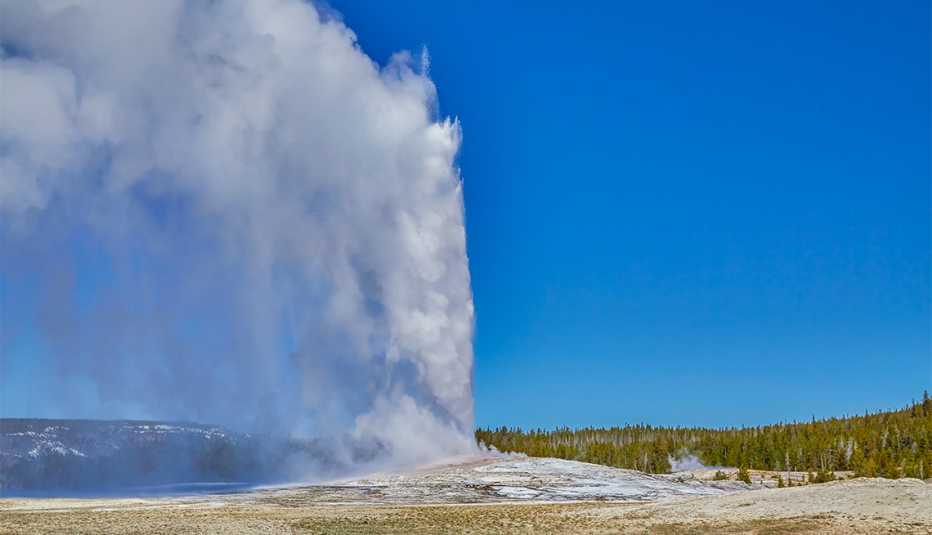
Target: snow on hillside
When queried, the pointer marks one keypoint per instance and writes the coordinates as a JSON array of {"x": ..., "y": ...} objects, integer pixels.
[{"x": 76, "y": 455}]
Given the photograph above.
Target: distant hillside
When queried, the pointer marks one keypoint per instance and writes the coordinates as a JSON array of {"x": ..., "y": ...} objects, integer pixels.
[
  {"x": 63, "y": 456},
  {"x": 889, "y": 444},
  {"x": 77, "y": 455}
]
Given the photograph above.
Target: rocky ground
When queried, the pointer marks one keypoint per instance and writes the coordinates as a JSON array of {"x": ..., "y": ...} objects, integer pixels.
[{"x": 499, "y": 495}]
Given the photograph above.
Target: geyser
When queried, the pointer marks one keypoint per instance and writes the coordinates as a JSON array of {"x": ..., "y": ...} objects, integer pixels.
[{"x": 226, "y": 212}]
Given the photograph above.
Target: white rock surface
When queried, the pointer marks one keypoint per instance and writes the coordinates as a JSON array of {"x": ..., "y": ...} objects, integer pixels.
[{"x": 504, "y": 478}]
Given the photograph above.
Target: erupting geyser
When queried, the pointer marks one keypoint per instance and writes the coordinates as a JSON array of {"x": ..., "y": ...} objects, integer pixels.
[{"x": 226, "y": 212}]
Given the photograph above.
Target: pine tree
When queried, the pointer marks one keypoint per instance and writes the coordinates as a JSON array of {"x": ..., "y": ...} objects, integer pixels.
[{"x": 887, "y": 444}]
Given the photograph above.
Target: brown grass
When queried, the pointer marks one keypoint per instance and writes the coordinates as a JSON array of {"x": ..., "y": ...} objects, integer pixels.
[{"x": 413, "y": 520}]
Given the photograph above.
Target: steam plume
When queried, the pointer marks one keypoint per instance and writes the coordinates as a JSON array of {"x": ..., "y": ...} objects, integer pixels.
[{"x": 229, "y": 213}]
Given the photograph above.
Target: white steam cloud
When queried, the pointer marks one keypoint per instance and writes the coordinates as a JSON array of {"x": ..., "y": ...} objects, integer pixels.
[{"x": 237, "y": 217}]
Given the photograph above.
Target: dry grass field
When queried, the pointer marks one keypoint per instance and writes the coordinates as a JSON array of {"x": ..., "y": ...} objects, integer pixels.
[{"x": 854, "y": 506}]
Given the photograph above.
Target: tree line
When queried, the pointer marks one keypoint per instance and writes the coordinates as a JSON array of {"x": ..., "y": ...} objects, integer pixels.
[{"x": 888, "y": 444}]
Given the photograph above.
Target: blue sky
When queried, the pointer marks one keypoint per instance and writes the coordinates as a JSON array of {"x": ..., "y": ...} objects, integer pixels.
[
  {"x": 679, "y": 214},
  {"x": 686, "y": 214}
]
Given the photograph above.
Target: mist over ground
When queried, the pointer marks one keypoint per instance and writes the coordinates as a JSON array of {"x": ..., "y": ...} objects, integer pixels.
[{"x": 225, "y": 212}]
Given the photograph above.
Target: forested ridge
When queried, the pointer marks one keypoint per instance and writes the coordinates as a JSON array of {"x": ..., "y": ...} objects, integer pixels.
[{"x": 886, "y": 444}]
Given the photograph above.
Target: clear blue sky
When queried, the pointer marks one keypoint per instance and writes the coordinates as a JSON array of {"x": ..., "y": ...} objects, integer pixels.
[
  {"x": 677, "y": 212},
  {"x": 686, "y": 213}
]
